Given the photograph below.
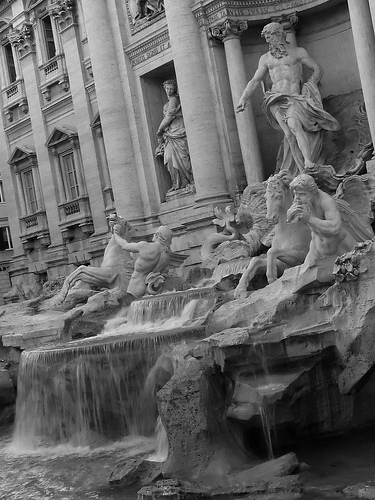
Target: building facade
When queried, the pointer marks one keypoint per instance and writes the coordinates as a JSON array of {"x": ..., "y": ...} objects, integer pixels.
[{"x": 82, "y": 99}]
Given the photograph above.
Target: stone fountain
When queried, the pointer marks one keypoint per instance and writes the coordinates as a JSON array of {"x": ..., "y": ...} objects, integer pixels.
[{"x": 276, "y": 347}]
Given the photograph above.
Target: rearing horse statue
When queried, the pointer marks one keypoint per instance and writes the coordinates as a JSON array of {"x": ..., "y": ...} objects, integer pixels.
[
  {"x": 290, "y": 243},
  {"x": 113, "y": 272}
]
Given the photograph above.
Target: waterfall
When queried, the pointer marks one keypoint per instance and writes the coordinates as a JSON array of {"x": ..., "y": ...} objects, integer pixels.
[
  {"x": 86, "y": 392},
  {"x": 164, "y": 307}
]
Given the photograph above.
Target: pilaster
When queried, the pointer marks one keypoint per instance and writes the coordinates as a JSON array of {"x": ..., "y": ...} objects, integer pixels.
[
  {"x": 63, "y": 11},
  {"x": 113, "y": 112},
  {"x": 24, "y": 42}
]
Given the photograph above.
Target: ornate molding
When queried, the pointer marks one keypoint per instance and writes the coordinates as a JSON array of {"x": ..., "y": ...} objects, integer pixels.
[
  {"x": 62, "y": 11},
  {"x": 209, "y": 13},
  {"x": 23, "y": 39},
  {"x": 228, "y": 30},
  {"x": 148, "y": 49}
]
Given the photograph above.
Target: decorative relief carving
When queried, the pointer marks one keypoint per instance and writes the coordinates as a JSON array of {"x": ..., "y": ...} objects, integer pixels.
[
  {"x": 62, "y": 10},
  {"x": 142, "y": 13},
  {"x": 212, "y": 12},
  {"x": 228, "y": 29},
  {"x": 23, "y": 39},
  {"x": 148, "y": 49}
]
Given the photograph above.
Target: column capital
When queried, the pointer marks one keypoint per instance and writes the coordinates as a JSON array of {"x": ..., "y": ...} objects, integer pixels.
[
  {"x": 23, "y": 39},
  {"x": 289, "y": 22},
  {"x": 228, "y": 30},
  {"x": 62, "y": 11}
]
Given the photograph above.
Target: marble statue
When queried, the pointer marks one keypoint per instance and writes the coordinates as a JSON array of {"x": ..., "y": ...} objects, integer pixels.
[
  {"x": 114, "y": 269},
  {"x": 173, "y": 146},
  {"x": 152, "y": 259},
  {"x": 291, "y": 105},
  {"x": 335, "y": 227},
  {"x": 289, "y": 244}
]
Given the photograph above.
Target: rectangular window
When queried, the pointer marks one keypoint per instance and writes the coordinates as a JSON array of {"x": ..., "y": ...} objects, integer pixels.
[
  {"x": 48, "y": 37},
  {"x": 10, "y": 63},
  {"x": 5, "y": 239},
  {"x": 70, "y": 175},
  {"x": 2, "y": 199},
  {"x": 30, "y": 193}
]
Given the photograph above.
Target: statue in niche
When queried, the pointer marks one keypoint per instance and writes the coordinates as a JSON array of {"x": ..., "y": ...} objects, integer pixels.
[
  {"x": 172, "y": 141},
  {"x": 291, "y": 105},
  {"x": 152, "y": 260},
  {"x": 335, "y": 227}
]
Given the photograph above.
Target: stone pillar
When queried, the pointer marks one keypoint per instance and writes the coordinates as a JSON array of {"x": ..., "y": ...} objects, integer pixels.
[
  {"x": 112, "y": 109},
  {"x": 23, "y": 40},
  {"x": 84, "y": 152},
  {"x": 364, "y": 42},
  {"x": 229, "y": 33},
  {"x": 197, "y": 102}
]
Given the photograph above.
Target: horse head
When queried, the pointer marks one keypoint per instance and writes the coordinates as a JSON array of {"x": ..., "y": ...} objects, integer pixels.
[
  {"x": 278, "y": 196},
  {"x": 124, "y": 227}
]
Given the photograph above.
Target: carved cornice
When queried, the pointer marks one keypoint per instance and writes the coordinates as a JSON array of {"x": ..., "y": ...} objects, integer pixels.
[
  {"x": 209, "y": 13},
  {"x": 148, "y": 49},
  {"x": 63, "y": 11},
  {"x": 228, "y": 30},
  {"x": 5, "y": 5},
  {"x": 23, "y": 39}
]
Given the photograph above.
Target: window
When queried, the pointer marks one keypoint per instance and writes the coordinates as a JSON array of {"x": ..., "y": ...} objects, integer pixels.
[
  {"x": 5, "y": 239},
  {"x": 2, "y": 199},
  {"x": 69, "y": 173},
  {"x": 48, "y": 37},
  {"x": 11, "y": 67},
  {"x": 29, "y": 191}
]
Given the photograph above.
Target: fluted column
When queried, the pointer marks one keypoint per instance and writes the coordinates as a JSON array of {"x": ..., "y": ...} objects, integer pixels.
[
  {"x": 364, "y": 42},
  {"x": 229, "y": 33},
  {"x": 197, "y": 102},
  {"x": 113, "y": 112}
]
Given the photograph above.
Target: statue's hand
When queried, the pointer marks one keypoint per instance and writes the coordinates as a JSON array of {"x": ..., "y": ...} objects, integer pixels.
[
  {"x": 241, "y": 106},
  {"x": 298, "y": 212}
]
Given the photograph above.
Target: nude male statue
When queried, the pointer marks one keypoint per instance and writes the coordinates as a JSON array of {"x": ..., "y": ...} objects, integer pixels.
[
  {"x": 290, "y": 105},
  {"x": 152, "y": 257},
  {"x": 330, "y": 236}
]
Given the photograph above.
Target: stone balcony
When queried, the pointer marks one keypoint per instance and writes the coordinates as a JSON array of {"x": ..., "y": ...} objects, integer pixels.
[
  {"x": 75, "y": 213},
  {"x": 34, "y": 227},
  {"x": 14, "y": 95},
  {"x": 53, "y": 72}
]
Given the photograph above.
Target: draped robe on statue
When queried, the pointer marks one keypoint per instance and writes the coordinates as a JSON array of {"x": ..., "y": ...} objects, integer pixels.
[{"x": 306, "y": 107}]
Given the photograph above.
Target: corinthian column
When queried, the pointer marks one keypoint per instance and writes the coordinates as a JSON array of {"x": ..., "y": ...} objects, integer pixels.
[
  {"x": 229, "y": 33},
  {"x": 364, "y": 42},
  {"x": 197, "y": 102},
  {"x": 112, "y": 109}
]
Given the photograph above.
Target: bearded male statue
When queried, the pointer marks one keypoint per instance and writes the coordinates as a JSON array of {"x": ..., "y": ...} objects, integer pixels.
[{"x": 291, "y": 105}]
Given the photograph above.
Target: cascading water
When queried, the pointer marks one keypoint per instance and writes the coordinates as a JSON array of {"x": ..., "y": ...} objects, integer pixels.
[{"x": 89, "y": 392}]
